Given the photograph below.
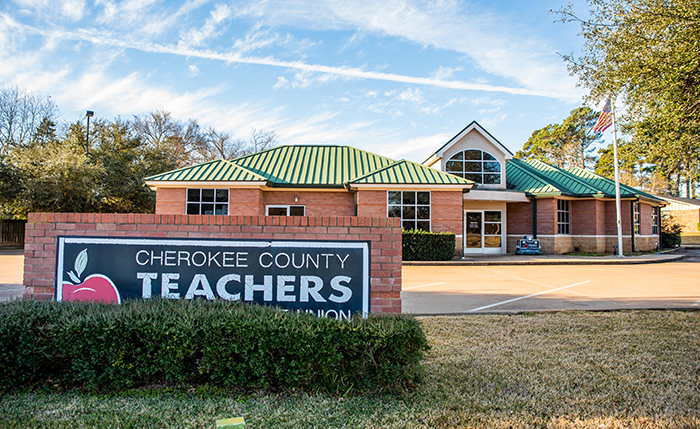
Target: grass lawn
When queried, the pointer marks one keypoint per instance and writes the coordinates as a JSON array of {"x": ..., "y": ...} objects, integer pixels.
[{"x": 572, "y": 369}]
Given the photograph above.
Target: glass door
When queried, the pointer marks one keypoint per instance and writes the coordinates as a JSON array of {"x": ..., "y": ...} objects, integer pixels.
[
  {"x": 483, "y": 232},
  {"x": 473, "y": 237}
]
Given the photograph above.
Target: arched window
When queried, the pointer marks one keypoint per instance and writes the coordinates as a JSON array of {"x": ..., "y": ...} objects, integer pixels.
[{"x": 475, "y": 165}]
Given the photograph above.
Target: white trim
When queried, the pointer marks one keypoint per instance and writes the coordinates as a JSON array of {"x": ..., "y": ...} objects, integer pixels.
[
  {"x": 200, "y": 202},
  {"x": 410, "y": 187},
  {"x": 582, "y": 236},
  {"x": 219, "y": 243},
  {"x": 59, "y": 268},
  {"x": 483, "y": 249},
  {"x": 280, "y": 206},
  {"x": 488, "y": 195},
  {"x": 415, "y": 205},
  {"x": 154, "y": 185},
  {"x": 481, "y": 130},
  {"x": 500, "y": 173}
]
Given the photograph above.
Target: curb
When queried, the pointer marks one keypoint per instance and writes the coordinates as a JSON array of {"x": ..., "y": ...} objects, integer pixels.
[{"x": 621, "y": 261}]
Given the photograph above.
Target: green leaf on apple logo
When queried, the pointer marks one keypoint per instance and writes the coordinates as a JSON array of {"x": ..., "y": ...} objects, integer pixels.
[{"x": 81, "y": 262}]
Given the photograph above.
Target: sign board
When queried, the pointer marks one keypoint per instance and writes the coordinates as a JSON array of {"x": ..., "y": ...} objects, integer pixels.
[{"x": 329, "y": 279}]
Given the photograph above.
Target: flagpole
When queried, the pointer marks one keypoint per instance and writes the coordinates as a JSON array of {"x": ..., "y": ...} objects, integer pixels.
[{"x": 617, "y": 185}]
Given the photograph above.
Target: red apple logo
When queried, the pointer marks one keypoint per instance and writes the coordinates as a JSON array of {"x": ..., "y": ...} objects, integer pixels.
[{"x": 96, "y": 287}]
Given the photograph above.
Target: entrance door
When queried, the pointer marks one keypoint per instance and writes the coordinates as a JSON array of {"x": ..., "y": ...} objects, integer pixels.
[
  {"x": 473, "y": 237},
  {"x": 483, "y": 232}
]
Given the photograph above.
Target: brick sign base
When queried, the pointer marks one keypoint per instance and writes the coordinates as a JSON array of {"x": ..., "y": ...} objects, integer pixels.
[{"x": 383, "y": 233}]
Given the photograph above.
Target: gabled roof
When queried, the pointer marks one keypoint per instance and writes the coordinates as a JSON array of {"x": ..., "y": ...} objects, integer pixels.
[
  {"x": 472, "y": 126},
  {"x": 523, "y": 179},
  {"x": 688, "y": 201},
  {"x": 219, "y": 170},
  {"x": 538, "y": 178},
  {"x": 322, "y": 166},
  {"x": 411, "y": 173}
]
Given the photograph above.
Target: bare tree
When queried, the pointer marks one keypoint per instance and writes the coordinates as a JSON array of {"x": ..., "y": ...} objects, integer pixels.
[
  {"x": 162, "y": 132},
  {"x": 21, "y": 113},
  {"x": 220, "y": 145},
  {"x": 261, "y": 140}
]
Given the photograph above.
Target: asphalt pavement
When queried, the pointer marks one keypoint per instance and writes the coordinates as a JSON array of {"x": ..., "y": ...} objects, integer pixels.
[{"x": 530, "y": 284}]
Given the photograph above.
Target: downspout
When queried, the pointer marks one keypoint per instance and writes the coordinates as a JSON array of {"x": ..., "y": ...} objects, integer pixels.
[
  {"x": 534, "y": 217},
  {"x": 633, "y": 224}
]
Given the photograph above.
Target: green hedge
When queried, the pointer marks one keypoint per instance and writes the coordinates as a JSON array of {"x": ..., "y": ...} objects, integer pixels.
[
  {"x": 103, "y": 346},
  {"x": 428, "y": 246}
]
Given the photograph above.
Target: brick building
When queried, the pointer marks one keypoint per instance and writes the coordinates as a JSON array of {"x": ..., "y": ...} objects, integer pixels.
[{"x": 471, "y": 186}]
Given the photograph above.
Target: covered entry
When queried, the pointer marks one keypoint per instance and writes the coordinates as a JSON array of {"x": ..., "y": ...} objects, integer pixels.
[{"x": 483, "y": 231}]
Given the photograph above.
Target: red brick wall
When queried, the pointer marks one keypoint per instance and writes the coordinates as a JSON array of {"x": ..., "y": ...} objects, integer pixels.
[
  {"x": 384, "y": 234},
  {"x": 584, "y": 217},
  {"x": 446, "y": 211},
  {"x": 245, "y": 202},
  {"x": 519, "y": 218},
  {"x": 547, "y": 216},
  {"x": 611, "y": 217},
  {"x": 371, "y": 203},
  {"x": 340, "y": 203},
  {"x": 171, "y": 201},
  {"x": 644, "y": 219}
]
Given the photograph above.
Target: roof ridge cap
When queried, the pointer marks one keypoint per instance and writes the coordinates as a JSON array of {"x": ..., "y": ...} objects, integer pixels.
[
  {"x": 571, "y": 176},
  {"x": 183, "y": 168},
  {"x": 391, "y": 164},
  {"x": 523, "y": 165},
  {"x": 235, "y": 165}
]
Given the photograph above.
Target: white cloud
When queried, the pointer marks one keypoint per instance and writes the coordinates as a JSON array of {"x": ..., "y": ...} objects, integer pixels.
[
  {"x": 411, "y": 95},
  {"x": 210, "y": 29},
  {"x": 492, "y": 121},
  {"x": 498, "y": 45},
  {"x": 192, "y": 70},
  {"x": 416, "y": 149},
  {"x": 443, "y": 73}
]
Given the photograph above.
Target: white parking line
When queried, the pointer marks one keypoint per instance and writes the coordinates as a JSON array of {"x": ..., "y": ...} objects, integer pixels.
[
  {"x": 528, "y": 296},
  {"x": 431, "y": 284}
]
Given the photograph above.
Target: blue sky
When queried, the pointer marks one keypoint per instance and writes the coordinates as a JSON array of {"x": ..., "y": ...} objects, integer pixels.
[{"x": 398, "y": 78}]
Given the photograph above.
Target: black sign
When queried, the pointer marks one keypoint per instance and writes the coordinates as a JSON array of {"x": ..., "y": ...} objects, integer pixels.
[{"x": 329, "y": 279}]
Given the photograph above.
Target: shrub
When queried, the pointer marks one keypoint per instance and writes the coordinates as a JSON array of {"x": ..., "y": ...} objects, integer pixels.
[
  {"x": 428, "y": 246},
  {"x": 102, "y": 346},
  {"x": 670, "y": 231}
]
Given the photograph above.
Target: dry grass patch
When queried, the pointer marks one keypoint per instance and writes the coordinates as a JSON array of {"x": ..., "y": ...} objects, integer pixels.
[{"x": 555, "y": 370}]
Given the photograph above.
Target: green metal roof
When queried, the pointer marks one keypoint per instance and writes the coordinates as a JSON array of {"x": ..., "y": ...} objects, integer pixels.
[
  {"x": 520, "y": 178},
  {"x": 410, "y": 173},
  {"x": 541, "y": 179},
  {"x": 313, "y": 166},
  {"x": 608, "y": 186},
  {"x": 217, "y": 171}
]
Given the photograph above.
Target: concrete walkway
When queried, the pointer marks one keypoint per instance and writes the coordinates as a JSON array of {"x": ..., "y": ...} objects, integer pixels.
[{"x": 511, "y": 259}]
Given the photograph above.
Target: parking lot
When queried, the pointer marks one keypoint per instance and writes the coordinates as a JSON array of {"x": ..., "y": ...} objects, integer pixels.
[{"x": 482, "y": 289}]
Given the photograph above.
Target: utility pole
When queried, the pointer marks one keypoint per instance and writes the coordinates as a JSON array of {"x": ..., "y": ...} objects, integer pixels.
[{"x": 89, "y": 115}]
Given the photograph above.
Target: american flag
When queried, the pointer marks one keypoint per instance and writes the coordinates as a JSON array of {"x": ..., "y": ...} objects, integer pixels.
[{"x": 605, "y": 119}]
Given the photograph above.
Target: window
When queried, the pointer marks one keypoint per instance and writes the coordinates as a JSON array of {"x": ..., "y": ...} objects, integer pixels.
[
  {"x": 413, "y": 207},
  {"x": 286, "y": 210},
  {"x": 475, "y": 165},
  {"x": 563, "y": 216},
  {"x": 492, "y": 229},
  {"x": 207, "y": 201},
  {"x": 635, "y": 208},
  {"x": 655, "y": 220}
]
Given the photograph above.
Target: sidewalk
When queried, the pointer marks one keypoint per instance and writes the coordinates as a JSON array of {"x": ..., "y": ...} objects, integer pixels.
[{"x": 512, "y": 259}]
